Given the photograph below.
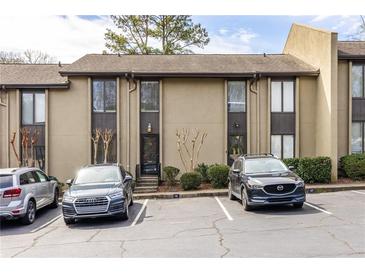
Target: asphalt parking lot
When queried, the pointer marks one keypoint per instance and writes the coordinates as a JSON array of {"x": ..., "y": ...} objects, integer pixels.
[{"x": 329, "y": 225}]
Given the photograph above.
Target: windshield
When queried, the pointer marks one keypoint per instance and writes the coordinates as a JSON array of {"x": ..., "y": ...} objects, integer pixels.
[
  {"x": 6, "y": 181},
  {"x": 264, "y": 165},
  {"x": 102, "y": 174}
]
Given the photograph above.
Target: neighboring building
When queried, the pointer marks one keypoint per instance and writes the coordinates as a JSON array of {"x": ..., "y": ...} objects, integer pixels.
[{"x": 308, "y": 101}]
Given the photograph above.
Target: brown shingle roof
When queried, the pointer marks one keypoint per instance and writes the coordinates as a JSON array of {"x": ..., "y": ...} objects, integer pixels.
[
  {"x": 31, "y": 75},
  {"x": 195, "y": 64},
  {"x": 351, "y": 49}
]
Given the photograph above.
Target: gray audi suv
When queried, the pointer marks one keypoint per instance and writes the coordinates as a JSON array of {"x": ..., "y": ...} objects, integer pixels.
[
  {"x": 25, "y": 190},
  {"x": 98, "y": 191},
  {"x": 263, "y": 179}
]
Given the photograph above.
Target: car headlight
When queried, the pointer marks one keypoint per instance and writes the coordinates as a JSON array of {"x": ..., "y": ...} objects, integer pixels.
[
  {"x": 116, "y": 195},
  {"x": 300, "y": 184},
  {"x": 68, "y": 199},
  {"x": 253, "y": 184}
]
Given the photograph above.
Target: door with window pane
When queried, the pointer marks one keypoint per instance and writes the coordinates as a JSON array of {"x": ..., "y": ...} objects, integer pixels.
[
  {"x": 283, "y": 118},
  {"x": 237, "y": 125},
  {"x": 33, "y": 118}
]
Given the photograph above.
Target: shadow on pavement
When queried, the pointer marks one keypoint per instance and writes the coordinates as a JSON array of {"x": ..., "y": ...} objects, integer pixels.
[
  {"x": 110, "y": 222},
  {"x": 15, "y": 227}
]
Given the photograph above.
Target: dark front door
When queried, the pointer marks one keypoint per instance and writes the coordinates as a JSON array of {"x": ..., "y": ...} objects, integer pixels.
[{"x": 149, "y": 154}]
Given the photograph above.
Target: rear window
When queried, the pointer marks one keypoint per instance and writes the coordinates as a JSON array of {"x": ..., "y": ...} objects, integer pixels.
[{"x": 6, "y": 181}]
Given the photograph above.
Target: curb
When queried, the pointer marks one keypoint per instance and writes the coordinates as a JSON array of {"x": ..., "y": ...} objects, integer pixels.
[{"x": 194, "y": 194}]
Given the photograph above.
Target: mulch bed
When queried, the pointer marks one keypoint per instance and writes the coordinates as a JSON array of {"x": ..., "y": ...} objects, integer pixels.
[{"x": 177, "y": 188}]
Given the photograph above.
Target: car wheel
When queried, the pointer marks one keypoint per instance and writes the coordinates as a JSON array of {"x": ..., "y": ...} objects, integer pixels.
[
  {"x": 55, "y": 199},
  {"x": 69, "y": 221},
  {"x": 230, "y": 194},
  {"x": 29, "y": 216},
  {"x": 246, "y": 207},
  {"x": 298, "y": 205},
  {"x": 125, "y": 215}
]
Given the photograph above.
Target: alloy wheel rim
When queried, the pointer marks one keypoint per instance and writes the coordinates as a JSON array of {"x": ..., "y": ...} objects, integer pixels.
[{"x": 31, "y": 211}]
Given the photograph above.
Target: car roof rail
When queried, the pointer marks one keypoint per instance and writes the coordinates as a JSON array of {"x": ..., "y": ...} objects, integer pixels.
[{"x": 257, "y": 155}]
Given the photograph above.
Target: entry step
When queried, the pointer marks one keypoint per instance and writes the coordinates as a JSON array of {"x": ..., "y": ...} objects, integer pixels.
[{"x": 145, "y": 189}]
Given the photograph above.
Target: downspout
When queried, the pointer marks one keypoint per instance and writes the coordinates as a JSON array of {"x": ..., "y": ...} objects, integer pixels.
[
  {"x": 254, "y": 88},
  {"x": 131, "y": 88}
]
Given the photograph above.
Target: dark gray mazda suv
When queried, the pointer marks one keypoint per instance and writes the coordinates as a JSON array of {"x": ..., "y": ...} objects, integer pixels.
[
  {"x": 98, "y": 191},
  {"x": 262, "y": 180}
]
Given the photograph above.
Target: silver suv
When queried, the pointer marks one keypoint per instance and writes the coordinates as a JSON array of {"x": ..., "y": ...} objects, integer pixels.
[{"x": 25, "y": 190}]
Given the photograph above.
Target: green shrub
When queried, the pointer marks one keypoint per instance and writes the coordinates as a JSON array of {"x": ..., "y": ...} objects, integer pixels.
[
  {"x": 203, "y": 170},
  {"x": 171, "y": 172},
  {"x": 218, "y": 175},
  {"x": 190, "y": 180},
  {"x": 315, "y": 170},
  {"x": 354, "y": 166},
  {"x": 294, "y": 162}
]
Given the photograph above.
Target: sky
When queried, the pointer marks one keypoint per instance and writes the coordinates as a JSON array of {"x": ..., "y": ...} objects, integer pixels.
[{"x": 68, "y": 38}]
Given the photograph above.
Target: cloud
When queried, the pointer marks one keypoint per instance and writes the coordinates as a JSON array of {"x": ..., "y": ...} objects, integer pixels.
[
  {"x": 320, "y": 18},
  {"x": 228, "y": 40},
  {"x": 65, "y": 37}
]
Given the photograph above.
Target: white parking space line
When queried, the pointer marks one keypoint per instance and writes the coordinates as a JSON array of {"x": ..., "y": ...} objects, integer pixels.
[
  {"x": 229, "y": 217},
  {"x": 358, "y": 192},
  {"x": 318, "y": 208},
  {"x": 46, "y": 224},
  {"x": 140, "y": 213}
]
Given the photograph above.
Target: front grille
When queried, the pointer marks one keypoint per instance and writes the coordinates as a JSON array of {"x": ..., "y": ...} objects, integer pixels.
[
  {"x": 276, "y": 189},
  {"x": 277, "y": 200},
  {"x": 91, "y": 205}
]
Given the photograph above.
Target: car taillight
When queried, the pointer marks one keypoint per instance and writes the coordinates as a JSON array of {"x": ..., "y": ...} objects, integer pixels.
[{"x": 14, "y": 192}]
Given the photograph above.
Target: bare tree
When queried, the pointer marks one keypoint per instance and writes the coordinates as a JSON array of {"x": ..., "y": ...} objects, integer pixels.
[
  {"x": 8, "y": 57},
  {"x": 33, "y": 142},
  {"x": 188, "y": 154},
  {"x": 38, "y": 57},
  {"x": 27, "y": 57},
  {"x": 107, "y": 136},
  {"x": 95, "y": 138},
  {"x": 12, "y": 142}
]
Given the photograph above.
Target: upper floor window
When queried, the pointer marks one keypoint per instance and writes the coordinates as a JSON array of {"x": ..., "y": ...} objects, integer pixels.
[
  {"x": 150, "y": 96},
  {"x": 104, "y": 95},
  {"x": 236, "y": 96},
  {"x": 358, "y": 83},
  {"x": 282, "y": 96},
  {"x": 33, "y": 107}
]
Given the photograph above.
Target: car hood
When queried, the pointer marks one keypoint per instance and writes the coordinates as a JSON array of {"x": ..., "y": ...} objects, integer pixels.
[
  {"x": 273, "y": 179},
  {"x": 94, "y": 189}
]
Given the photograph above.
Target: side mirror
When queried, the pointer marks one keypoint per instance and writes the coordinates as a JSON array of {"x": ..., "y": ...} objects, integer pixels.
[
  {"x": 52, "y": 178},
  {"x": 127, "y": 178},
  {"x": 236, "y": 170},
  {"x": 291, "y": 168},
  {"x": 69, "y": 182}
]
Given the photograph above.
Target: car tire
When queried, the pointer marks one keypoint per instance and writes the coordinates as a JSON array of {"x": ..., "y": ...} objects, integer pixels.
[
  {"x": 298, "y": 205},
  {"x": 69, "y": 221},
  {"x": 230, "y": 194},
  {"x": 125, "y": 214},
  {"x": 246, "y": 206},
  {"x": 55, "y": 199},
  {"x": 29, "y": 216}
]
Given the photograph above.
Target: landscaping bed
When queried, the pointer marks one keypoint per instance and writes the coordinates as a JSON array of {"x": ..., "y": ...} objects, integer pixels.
[{"x": 164, "y": 187}]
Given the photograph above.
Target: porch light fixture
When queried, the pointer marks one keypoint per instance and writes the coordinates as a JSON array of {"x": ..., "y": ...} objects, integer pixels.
[{"x": 149, "y": 127}]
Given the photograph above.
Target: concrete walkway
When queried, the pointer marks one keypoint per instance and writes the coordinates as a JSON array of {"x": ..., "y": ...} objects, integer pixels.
[{"x": 310, "y": 188}]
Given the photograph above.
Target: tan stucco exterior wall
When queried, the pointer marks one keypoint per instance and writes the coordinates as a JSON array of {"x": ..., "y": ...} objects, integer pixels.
[
  {"x": 190, "y": 104},
  {"x": 343, "y": 107},
  {"x": 319, "y": 48},
  {"x": 307, "y": 116},
  {"x": 3, "y": 133},
  {"x": 69, "y": 142}
]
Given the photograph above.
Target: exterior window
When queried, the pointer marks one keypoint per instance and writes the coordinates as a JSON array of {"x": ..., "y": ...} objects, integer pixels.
[
  {"x": 357, "y": 140},
  {"x": 236, "y": 146},
  {"x": 33, "y": 108},
  {"x": 282, "y": 146},
  {"x": 150, "y": 96},
  {"x": 358, "y": 81},
  {"x": 282, "y": 96},
  {"x": 104, "y": 95},
  {"x": 236, "y": 96}
]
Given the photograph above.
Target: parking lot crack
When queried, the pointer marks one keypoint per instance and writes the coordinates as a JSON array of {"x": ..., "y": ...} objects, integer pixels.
[
  {"x": 341, "y": 241},
  {"x": 93, "y": 236},
  {"x": 221, "y": 238},
  {"x": 123, "y": 250},
  {"x": 35, "y": 240}
]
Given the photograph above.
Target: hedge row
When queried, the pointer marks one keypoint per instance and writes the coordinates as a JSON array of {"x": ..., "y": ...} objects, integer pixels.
[
  {"x": 312, "y": 169},
  {"x": 353, "y": 166}
]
